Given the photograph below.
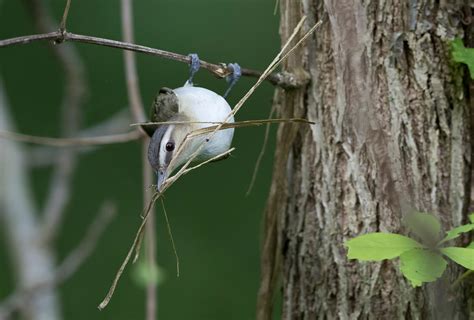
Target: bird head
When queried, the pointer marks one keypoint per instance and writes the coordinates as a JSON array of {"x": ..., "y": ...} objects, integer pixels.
[{"x": 163, "y": 150}]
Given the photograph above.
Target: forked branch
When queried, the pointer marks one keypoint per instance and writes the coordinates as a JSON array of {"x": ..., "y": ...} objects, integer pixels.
[{"x": 281, "y": 79}]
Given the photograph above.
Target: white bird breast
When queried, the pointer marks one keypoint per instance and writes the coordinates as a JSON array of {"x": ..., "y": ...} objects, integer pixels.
[{"x": 203, "y": 105}]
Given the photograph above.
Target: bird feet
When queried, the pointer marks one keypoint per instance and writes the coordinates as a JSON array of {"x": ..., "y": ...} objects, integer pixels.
[
  {"x": 194, "y": 66},
  {"x": 233, "y": 77}
]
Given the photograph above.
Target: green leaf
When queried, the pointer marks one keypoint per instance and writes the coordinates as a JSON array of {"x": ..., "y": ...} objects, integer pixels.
[
  {"x": 379, "y": 246},
  {"x": 424, "y": 225},
  {"x": 143, "y": 273},
  {"x": 462, "y": 256},
  {"x": 419, "y": 265},
  {"x": 471, "y": 217},
  {"x": 456, "y": 232},
  {"x": 463, "y": 55}
]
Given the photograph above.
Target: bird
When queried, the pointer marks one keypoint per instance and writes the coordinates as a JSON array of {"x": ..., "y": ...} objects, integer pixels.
[{"x": 194, "y": 108}]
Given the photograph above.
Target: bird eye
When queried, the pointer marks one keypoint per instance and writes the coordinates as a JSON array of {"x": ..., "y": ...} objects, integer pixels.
[{"x": 170, "y": 146}]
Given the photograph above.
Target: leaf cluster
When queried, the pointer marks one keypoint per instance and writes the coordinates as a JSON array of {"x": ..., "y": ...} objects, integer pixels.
[
  {"x": 461, "y": 54},
  {"x": 420, "y": 262}
]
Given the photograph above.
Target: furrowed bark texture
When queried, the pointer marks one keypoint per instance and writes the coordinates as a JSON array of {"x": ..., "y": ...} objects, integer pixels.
[{"x": 392, "y": 135}]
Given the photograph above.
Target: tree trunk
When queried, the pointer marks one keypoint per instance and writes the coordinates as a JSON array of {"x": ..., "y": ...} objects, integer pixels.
[{"x": 392, "y": 136}]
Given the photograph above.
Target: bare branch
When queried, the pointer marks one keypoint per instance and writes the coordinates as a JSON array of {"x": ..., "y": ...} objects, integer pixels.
[
  {"x": 74, "y": 91},
  {"x": 73, "y": 142},
  {"x": 41, "y": 156},
  {"x": 282, "y": 79},
  {"x": 136, "y": 106},
  {"x": 31, "y": 38},
  {"x": 131, "y": 76},
  {"x": 88, "y": 243},
  {"x": 68, "y": 267},
  {"x": 32, "y": 262}
]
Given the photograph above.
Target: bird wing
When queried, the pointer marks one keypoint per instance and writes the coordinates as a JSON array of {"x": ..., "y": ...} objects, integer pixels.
[{"x": 164, "y": 107}]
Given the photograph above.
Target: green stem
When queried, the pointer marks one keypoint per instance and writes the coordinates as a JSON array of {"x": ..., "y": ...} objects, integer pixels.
[{"x": 461, "y": 278}]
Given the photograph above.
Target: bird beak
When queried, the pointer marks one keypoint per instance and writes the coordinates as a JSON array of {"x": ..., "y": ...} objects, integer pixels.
[{"x": 162, "y": 175}]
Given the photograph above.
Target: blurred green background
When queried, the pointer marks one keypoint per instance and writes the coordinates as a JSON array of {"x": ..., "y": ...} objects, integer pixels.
[{"x": 216, "y": 228}]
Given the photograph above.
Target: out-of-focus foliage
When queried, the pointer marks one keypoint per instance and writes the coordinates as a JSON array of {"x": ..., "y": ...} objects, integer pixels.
[
  {"x": 419, "y": 262},
  {"x": 420, "y": 265},
  {"x": 379, "y": 246},
  {"x": 216, "y": 228}
]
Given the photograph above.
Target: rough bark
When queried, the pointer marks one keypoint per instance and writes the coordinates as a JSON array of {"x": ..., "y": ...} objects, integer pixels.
[{"x": 392, "y": 135}]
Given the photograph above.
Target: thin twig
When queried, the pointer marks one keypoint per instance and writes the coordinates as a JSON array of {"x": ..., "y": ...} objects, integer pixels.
[
  {"x": 169, "y": 181},
  {"x": 43, "y": 156},
  {"x": 131, "y": 76},
  {"x": 68, "y": 267},
  {"x": 261, "y": 154},
  {"x": 88, "y": 243},
  {"x": 281, "y": 79},
  {"x": 72, "y": 142},
  {"x": 245, "y": 123},
  {"x": 71, "y": 63},
  {"x": 219, "y": 156},
  {"x": 150, "y": 232},
  {"x": 136, "y": 106},
  {"x": 62, "y": 25},
  {"x": 275, "y": 9},
  {"x": 147, "y": 198},
  {"x": 140, "y": 230},
  {"x": 226, "y": 125},
  {"x": 171, "y": 237}
]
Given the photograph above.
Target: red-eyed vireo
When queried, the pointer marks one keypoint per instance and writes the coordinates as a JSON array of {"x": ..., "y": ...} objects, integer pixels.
[
  {"x": 201, "y": 108},
  {"x": 170, "y": 145}
]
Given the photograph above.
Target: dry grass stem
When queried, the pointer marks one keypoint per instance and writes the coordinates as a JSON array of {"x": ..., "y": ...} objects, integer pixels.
[
  {"x": 237, "y": 124},
  {"x": 246, "y": 123},
  {"x": 168, "y": 225},
  {"x": 219, "y": 156},
  {"x": 109, "y": 295},
  {"x": 261, "y": 154},
  {"x": 135, "y": 247}
]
